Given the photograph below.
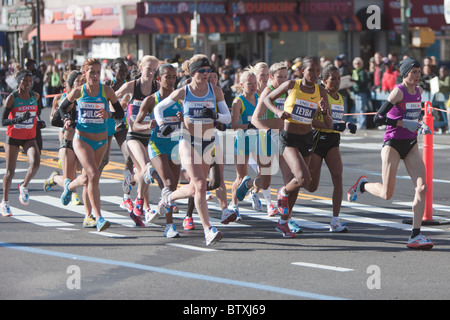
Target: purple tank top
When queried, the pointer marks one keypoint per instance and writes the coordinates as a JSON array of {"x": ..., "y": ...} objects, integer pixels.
[{"x": 409, "y": 108}]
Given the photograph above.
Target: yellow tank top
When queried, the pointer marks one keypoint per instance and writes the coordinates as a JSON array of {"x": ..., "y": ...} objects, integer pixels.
[
  {"x": 302, "y": 105},
  {"x": 337, "y": 112}
]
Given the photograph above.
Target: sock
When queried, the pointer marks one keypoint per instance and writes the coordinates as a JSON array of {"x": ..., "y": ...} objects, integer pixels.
[
  {"x": 415, "y": 232},
  {"x": 282, "y": 191},
  {"x": 361, "y": 187},
  {"x": 334, "y": 219},
  {"x": 266, "y": 194},
  {"x": 126, "y": 196},
  {"x": 281, "y": 221}
]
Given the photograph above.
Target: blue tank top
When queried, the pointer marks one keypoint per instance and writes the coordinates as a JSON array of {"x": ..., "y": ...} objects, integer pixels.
[
  {"x": 247, "y": 109},
  {"x": 87, "y": 107},
  {"x": 193, "y": 105},
  {"x": 170, "y": 118}
]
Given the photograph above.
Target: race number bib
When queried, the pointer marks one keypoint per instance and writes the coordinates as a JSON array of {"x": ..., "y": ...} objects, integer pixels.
[
  {"x": 88, "y": 112},
  {"x": 304, "y": 111}
]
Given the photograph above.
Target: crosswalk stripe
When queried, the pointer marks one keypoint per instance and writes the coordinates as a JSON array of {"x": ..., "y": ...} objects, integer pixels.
[{"x": 43, "y": 221}]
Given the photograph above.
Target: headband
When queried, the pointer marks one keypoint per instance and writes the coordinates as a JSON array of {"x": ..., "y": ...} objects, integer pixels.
[
  {"x": 407, "y": 65},
  {"x": 72, "y": 78},
  {"x": 194, "y": 66},
  {"x": 23, "y": 75}
]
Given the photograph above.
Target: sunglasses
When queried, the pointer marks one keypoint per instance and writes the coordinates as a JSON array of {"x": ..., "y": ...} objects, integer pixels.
[{"x": 204, "y": 71}]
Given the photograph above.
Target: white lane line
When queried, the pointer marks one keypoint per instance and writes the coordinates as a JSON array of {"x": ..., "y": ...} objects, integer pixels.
[
  {"x": 321, "y": 266},
  {"x": 186, "y": 246},
  {"x": 37, "y": 219},
  {"x": 108, "y": 234}
]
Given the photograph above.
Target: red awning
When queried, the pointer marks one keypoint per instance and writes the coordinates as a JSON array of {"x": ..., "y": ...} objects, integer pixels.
[
  {"x": 54, "y": 32},
  {"x": 352, "y": 21},
  {"x": 162, "y": 25},
  {"x": 104, "y": 27},
  {"x": 283, "y": 23}
]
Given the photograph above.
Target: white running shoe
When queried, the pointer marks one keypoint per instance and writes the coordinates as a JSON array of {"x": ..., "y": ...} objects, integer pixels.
[
  {"x": 420, "y": 242},
  {"x": 337, "y": 226},
  {"x": 228, "y": 216},
  {"x": 256, "y": 203},
  {"x": 23, "y": 195},
  {"x": 151, "y": 215},
  {"x": 212, "y": 235},
  {"x": 6, "y": 209},
  {"x": 126, "y": 186},
  {"x": 170, "y": 231}
]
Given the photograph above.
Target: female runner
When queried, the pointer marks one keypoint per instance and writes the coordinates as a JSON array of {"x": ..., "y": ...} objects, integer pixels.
[
  {"x": 305, "y": 98},
  {"x": 91, "y": 136},
  {"x": 133, "y": 94},
  {"x": 326, "y": 145},
  {"x": 197, "y": 142},
  {"x": 401, "y": 113},
  {"x": 20, "y": 116}
]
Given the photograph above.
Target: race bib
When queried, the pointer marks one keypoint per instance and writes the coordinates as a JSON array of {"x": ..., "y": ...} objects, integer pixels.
[
  {"x": 88, "y": 112},
  {"x": 303, "y": 111},
  {"x": 413, "y": 110},
  {"x": 337, "y": 112}
]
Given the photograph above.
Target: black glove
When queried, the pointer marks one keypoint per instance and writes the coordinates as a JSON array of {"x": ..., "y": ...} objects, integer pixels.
[
  {"x": 352, "y": 127},
  {"x": 251, "y": 126},
  {"x": 339, "y": 126},
  {"x": 41, "y": 124},
  {"x": 24, "y": 117},
  {"x": 166, "y": 129},
  {"x": 208, "y": 113}
]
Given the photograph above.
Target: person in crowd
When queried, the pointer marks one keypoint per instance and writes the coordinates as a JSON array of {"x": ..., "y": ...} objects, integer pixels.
[
  {"x": 360, "y": 89},
  {"x": 390, "y": 75}
]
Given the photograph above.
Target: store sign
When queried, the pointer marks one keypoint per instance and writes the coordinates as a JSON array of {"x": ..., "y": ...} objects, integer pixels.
[
  {"x": 262, "y": 7},
  {"x": 180, "y": 7},
  {"x": 326, "y": 8},
  {"x": 430, "y": 13},
  {"x": 19, "y": 18},
  {"x": 105, "y": 48}
]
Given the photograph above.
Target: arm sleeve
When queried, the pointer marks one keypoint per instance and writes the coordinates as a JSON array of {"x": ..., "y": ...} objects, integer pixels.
[
  {"x": 5, "y": 121},
  {"x": 224, "y": 115},
  {"x": 118, "y": 111},
  {"x": 380, "y": 117},
  {"x": 158, "y": 111}
]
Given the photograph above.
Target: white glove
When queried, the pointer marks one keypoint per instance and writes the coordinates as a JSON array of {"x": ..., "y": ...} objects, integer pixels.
[
  {"x": 411, "y": 125},
  {"x": 424, "y": 129}
]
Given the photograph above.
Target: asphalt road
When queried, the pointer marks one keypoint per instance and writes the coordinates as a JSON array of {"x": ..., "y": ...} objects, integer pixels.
[{"x": 46, "y": 254}]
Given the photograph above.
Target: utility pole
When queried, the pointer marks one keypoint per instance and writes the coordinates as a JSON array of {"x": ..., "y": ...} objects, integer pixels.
[
  {"x": 404, "y": 16},
  {"x": 38, "y": 34}
]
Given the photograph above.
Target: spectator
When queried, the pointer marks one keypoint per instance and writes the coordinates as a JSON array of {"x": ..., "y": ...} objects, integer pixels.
[
  {"x": 427, "y": 75},
  {"x": 444, "y": 80},
  {"x": 390, "y": 75},
  {"x": 361, "y": 90},
  {"x": 379, "y": 69},
  {"x": 339, "y": 62},
  {"x": 226, "y": 84}
]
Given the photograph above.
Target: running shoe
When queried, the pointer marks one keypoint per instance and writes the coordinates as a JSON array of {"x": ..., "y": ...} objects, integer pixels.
[
  {"x": 127, "y": 204},
  {"x": 170, "y": 231},
  {"x": 66, "y": 196},
  {"x": 6, "y": 209},
  {"x": 355, "y": 190},
  {"x": 243, "y": 188},
  {"x": 49, "y": 183},
  {"x": 137, "y": 213},
  {"x": 175, "y": 209},
  {"x": 272, "y": 210},
  {"x": 283, "y": 203},
  {"x": 76, "y": 201},
  {"x": 337, "y": 226},
  {"x": 208, "y": 196},
  {"x": 235, "y": 208},
  {"x": 419, "y": 242},
  {"x": 89, "y": 222},
  {"x": 126, "y": 186},
  {"x": 102, "y": 224},
  {"x": 164, "y": 205},
  {"x": 188, "y": 223},
  {"x": 284, "y": 229},
  {"x": 228, "y": 216},
  {"x": 148, "y": 179},
  {"x": 24, "y": 198},
  {"x": 294, "y": 226},
  {"x": 212, "y": 235},
  {"x": 151, "y": 215},
  {"x": 256, "y": 203}
]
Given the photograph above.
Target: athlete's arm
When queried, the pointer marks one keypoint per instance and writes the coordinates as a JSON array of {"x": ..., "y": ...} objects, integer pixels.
[
  {"x": 260, "y": 109},
  {"x": 275, "y": 94},
  {"x": 223, "y": 115},
  {"x": 146, "y": 107},
  {"x": 167, "y": 102},
  {"x": 381, "y": 117}
]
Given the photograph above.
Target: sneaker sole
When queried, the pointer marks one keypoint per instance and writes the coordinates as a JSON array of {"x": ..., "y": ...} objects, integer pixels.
[
  {"x": 218, "y": 237},
  {"x": 353, "y": 187},
  {"x": 231, "y": 218},
  {"x": 284, "y": 234},
  {"x": 420, "y": 247},
  {"x": 137, "y": 220},
  {"x": 105, "y": 226}
]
